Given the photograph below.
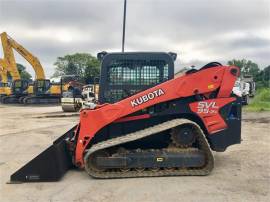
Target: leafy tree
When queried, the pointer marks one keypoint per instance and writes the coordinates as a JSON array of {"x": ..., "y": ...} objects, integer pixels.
[
  {"x": 23, "y": 73},
  {"x": 263, "y": 78},
  {"x": 82, "y": 64}
]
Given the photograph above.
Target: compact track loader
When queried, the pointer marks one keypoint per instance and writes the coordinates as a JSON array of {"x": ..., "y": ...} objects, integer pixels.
[{"x": 147, "y": 123}]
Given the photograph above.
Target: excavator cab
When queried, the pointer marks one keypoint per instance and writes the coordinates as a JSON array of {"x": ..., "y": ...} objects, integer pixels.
[
  {"x": 4, "y": 89},
  {"x": 41, "y": 86},
  {"x": 42, "y": 93},
  {"x": 125, "y": 74},
  {"x": 3, "y": 84},
  {"x": 17, "y": 90},
  {"x": 19, "y": 86}
]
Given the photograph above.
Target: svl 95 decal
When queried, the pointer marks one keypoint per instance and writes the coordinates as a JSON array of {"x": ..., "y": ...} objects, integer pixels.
[{"x": 207, "y": 107}]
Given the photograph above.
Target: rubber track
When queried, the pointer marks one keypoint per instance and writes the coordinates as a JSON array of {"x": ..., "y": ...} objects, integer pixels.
[
  {"x": 203, "y": 145},
  {"x": 40, "y": 100},
  {"x": 9, "y": 100}
]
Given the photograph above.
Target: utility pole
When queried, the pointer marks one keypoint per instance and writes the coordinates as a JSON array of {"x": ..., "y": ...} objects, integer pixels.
[{"x": 124, "y": 26}]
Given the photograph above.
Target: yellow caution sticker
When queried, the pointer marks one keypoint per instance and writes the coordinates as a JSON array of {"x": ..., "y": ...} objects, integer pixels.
[
  {"x": 160, "y": 159},
  {"x": 210, "y": 86}
]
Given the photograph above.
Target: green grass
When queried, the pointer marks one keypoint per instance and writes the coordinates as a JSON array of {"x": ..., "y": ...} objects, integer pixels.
[{"x": 261, "y": 101}]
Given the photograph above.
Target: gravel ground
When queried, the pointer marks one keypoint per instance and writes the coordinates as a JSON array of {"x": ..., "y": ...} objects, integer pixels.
[{"x": 242, "y": 173}]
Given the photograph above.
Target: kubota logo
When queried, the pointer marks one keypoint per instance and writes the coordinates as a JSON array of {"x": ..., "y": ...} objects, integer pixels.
[
  {"x": 147, "y": 97},
  {"x": 207, "y": 107}
]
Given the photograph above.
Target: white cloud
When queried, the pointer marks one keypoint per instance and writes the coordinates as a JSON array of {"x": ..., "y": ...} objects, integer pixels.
[{"x": 199, "y": 31}]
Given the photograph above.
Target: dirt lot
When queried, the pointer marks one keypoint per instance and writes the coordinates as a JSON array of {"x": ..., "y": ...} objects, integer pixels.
[{"x": 242, "y": 173}]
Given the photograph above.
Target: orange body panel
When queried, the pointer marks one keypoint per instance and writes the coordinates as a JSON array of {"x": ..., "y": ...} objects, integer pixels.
[
  {"x": 202, "y": 82},
  {"x": 208, "y": 111}
]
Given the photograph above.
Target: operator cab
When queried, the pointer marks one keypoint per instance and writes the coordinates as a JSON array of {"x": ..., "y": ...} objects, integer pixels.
[
  {"x": 3, "y": 84},
  {"x": 19, "y": 86},
  {"x": 41, "y": 86},
  {"x": 125, "y": 74}
]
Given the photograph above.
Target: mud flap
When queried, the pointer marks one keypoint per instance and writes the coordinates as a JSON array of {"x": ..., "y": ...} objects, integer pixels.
[{"x": 48, "y": 166}]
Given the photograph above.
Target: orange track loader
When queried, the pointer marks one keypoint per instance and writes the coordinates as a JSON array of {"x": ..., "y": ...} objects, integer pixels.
[{"x": 147, "y": 123}]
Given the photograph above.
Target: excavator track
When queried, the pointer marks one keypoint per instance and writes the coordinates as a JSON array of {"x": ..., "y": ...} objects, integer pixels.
[
  {"x": 10, "y": 99},
  {"x": 117, "y": 173},
  {"x": 41, "y": 100}
]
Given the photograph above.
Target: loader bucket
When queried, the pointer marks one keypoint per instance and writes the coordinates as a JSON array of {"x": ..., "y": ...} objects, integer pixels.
[{"x": 48, "y": 166}]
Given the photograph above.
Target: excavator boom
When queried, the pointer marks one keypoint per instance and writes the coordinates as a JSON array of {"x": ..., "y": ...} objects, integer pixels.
[
  {"x": 3, "y": 70},
  {"x": 9, "y": 57},
  {"x": 4, "y": 87},
  {"x": 8, "y": 44}
]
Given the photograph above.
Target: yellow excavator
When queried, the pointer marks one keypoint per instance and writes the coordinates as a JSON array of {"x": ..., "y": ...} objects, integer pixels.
[
  {"x": 18, "y": 86},
  {"x": 4, "y": 86},
  {"x": 43, "y": 91}
]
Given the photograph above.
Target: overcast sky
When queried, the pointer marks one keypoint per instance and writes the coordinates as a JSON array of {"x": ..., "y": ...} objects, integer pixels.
[{"x": 199, "y": 31}]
